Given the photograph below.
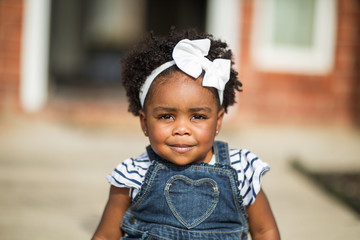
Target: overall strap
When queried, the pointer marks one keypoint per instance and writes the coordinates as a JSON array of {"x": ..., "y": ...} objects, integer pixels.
[
  {"x": 152, "y": 155},
  {"x": 221, "y": 151}
]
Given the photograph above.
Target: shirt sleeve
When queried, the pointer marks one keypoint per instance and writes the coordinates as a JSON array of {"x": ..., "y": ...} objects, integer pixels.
[
  {"x": 130, "y": 173},
  {"x": 250, "y": 170}
]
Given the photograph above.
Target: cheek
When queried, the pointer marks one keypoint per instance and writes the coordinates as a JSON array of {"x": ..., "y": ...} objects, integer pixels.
[
  {"x": 158, "y": 132},
  {"x": 206, "y": 131}
]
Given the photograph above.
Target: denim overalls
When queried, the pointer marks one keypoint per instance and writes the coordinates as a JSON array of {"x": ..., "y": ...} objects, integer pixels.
[{"x": 196, "y": 201}]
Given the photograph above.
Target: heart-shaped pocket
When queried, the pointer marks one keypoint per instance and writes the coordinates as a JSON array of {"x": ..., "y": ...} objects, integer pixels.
[{"x": 191, "y": 201}]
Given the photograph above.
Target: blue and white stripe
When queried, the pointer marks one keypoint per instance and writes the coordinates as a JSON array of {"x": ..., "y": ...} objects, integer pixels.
[{"x": 131, "y": 172}]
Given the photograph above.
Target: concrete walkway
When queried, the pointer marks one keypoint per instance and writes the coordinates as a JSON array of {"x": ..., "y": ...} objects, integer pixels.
[{"x": 52, "y": 176}]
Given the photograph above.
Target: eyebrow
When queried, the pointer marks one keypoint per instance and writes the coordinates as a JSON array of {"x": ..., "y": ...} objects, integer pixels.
[
  {"x": 165, "y": 109},
  {"x": 169, "y": 109},
  {"x": 200, "y": 109}
]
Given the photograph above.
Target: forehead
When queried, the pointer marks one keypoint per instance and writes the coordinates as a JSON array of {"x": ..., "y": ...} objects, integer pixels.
[{"x": 179, "y": 86}]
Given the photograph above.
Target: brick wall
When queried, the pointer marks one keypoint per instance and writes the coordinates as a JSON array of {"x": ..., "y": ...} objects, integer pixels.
[
  {"x": 349, "y": 47},
  {"x": 303, "y": 98},
  {"x": 347, "y": 69},
  {"x": 11, "y": 12}
]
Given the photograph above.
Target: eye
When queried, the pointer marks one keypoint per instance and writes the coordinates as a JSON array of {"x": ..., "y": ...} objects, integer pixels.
[
  {"x": 199, "y": 116},
  {"x": 166, "y": 116}
]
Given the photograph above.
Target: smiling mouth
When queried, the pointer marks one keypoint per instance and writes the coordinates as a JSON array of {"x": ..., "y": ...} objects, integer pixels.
[{"x": 181, "y": 148}]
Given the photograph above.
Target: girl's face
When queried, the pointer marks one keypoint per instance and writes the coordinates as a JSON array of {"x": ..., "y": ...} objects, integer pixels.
[{"x": 181, "y": 119}]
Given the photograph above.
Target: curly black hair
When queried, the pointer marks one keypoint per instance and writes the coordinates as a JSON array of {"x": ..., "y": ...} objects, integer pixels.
[{"x": 154, "y": 50}]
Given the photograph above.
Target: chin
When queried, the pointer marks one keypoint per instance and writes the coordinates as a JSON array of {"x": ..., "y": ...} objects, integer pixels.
[{"x": 180, "y": 162}]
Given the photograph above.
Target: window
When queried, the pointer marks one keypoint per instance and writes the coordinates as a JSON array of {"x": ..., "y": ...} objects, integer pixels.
[{"x": 294, "y": 35}]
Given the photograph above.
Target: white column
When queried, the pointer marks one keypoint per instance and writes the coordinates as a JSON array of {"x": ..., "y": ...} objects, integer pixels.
[
  {"x": 223, "y": 21},
  {"x": 34, "y": 59}
]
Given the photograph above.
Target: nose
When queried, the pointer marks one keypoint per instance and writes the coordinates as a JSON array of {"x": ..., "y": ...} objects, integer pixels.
[{"x": 181, "y": 127}]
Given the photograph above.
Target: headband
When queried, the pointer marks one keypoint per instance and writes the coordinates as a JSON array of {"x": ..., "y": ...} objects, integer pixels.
[{"x": 189, "y": 56}]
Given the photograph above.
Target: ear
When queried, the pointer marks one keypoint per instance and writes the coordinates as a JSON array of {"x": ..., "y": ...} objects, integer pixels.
[
  {"x": 220, "y": 118},
  {"x": 143, "y": 122}
]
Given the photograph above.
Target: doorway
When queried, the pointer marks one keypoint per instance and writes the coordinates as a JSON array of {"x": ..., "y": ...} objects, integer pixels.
[{"x": 89, "y": 37}]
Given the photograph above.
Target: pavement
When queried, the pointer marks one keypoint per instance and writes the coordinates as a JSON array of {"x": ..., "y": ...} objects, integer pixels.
[{"x": 53, "y": 186}]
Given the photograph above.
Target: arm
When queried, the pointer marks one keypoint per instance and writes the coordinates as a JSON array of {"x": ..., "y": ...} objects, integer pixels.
[
  {"x": 262, "y": 223},
  {"x": 109, "y": 226}
]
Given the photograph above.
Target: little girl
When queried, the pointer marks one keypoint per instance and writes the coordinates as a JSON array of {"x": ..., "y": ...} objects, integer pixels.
[{"x": 186, "y": 185}]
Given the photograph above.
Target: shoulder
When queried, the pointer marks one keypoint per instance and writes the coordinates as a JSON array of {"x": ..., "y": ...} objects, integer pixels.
[
  {"x": 139, "y": 163},
  {"x": 245, "y": 159},
  {"x": 130, "y": 172},
  {"x": 250, "y": 169}
]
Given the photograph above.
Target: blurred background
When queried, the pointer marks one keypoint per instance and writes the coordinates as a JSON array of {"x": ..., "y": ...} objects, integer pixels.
[{"x": 64, "y": 123}]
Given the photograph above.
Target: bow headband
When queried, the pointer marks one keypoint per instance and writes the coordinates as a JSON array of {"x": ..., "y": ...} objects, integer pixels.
[{"x": 189, "y": 56}]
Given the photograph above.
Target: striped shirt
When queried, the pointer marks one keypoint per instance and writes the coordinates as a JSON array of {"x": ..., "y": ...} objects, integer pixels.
[{"x": 131, "y": 173}]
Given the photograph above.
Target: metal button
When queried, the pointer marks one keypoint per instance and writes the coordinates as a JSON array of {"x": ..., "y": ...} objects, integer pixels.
[{"x": 132, "y": 220}]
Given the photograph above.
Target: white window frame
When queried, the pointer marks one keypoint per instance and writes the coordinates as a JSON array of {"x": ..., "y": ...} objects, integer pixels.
[
  {"x": 34, "y": 55},
  {"x": 318, "y": 59}
]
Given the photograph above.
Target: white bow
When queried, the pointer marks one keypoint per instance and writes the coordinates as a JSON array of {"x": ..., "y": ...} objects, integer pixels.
[{"x": 189, "y": 56}]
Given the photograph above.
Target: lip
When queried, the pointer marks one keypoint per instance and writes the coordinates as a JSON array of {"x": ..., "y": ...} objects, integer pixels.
[{"x": 181, "y": 148}]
